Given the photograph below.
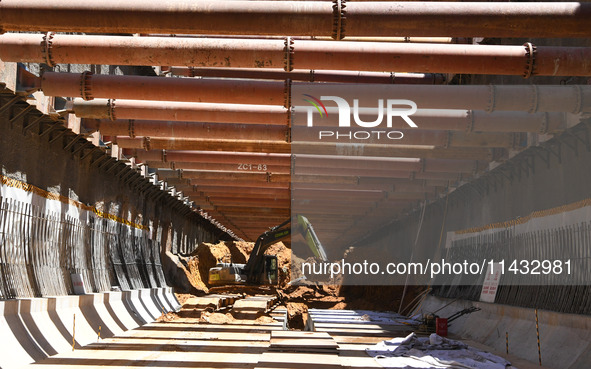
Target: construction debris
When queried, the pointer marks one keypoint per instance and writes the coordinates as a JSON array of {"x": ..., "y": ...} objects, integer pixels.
[{"x": 435, "y": 352}]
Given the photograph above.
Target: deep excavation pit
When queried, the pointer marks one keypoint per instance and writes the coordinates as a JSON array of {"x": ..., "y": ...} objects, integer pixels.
[{"x": 295, "y": 298}]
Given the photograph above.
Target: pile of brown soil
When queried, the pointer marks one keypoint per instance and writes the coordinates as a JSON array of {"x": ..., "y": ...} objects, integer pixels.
[
  {"x": 168, "y": 317},
  {"x": 264, "y": 319},
  {"x": 216, "y": 318},
  {"x": 297, "y": 315},
  {"x": 244, "y": 247},
  {"x": 207, "y": 255},
  {"x": 195, "y": 275},
  {"x": 183, "y": 297}
]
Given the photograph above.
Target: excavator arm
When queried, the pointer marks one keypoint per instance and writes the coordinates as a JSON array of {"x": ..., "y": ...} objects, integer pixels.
[
  {"x": 255, "y": 265},
  {"x": 261, "y": 268}
]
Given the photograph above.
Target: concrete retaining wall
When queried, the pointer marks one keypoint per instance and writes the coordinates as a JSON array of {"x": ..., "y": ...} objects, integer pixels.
[
  {"x": 565, "y": 339},
  {"x": 33, "y": 329}
]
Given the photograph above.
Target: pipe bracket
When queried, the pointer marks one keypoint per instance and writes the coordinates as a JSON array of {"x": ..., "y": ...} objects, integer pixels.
[
  {"x": 111, "y": 109},
  {"x": 470, "y": 121},
  {"x": 339, "y": 13},
  {"x": 288, "y": 54},
  {"x": 544, "y": 124},
  {"x": 131, "y": 128},
  {"x": 46, "y": 48},
  {"x": 287, "y": 93},
  {"x": 535, "y": 99},
  {"x": 491, "y": 99},
  {"x": 86, "y": 86},
  {"x": 164, "y": 156},
  {"x": 578, "y": 100},
  {"x": 530, "y": 56},
  {"x": 146, "y": 143}
]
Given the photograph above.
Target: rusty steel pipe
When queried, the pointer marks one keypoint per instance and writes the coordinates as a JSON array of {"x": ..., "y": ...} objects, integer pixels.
[
  {"x": 282, "y": 196},
  {"x": 307, "y": 18},
  {"x": 148, "y": 143},
  {"x": 465, "y": 59},
  {"x": 178, "y": 111},
  {"x": 336, "y": 76},
  {"x": 401, "y": 151},
  {"x": 247, "y": 168},
  {"x": 239, "y": 184},
  {"x": 89, "y": 86},
  {"x": 389, "y": 186},
  {"x": 406, "y": 164},
  {"x": 247, "y": 190},
  {"x": 270, "y": 203},
  {"x": 374, "y": 173},
  {"x": 520, "y": 98},
  {"x": 412, "y": 137},
  {"x": 233, "y": 175},
  {"x": 523, "y": 60},
  {"x": 151, "y": 128},
  {"x": 211, "y": 157},
  {"x": 454, "y": 120}
]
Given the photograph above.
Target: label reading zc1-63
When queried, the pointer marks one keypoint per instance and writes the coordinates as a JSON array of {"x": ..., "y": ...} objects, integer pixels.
[{"x": 252, "y": 167}]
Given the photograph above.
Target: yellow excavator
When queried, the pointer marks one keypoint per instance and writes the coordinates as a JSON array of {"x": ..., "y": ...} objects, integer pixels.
[{"x": 261, "y": 269}]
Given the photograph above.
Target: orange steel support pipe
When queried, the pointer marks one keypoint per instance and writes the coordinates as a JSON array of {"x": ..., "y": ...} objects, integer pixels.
[
  {"x": 150, "y": 128},
  {"x": 524, "y": 98},
  {"x": 525, "y": 60},
  {"x": 414, "y": 137},
  {"x": 213, "y": 196},
  {"x": 345, "y": 163},
  {"x": 247, "y": 168},
  {"x": 307, "y": 18},
  {"x": 211, "y": 157},
  {"x": 387, "y": 164},
  {"x": 243, "y": 184},
  {"x": 456, "y": 120},
  {"x": 401, "y": 151},
  {"x": 374, "y": 173},
  {"x": 229, "y": 189},
  {"x": 336, "y": 76},
  {"x": 148, "y": 143},
  {"x": 89, "y": 86},
  {"x": 179, "y": 111}
]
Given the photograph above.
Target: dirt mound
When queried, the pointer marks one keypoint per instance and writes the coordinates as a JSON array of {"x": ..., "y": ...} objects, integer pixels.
[
  {"x": 244, "y": 247},
  {"x": 216, "y": 318},
  {"x": 168, "y": 317},
  {"x": 297, "y": 315},
  {"x": 264, "y": 319},
  {"x": 205, "y": 257}
]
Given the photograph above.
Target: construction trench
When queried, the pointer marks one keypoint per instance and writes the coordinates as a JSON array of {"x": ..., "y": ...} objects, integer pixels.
[{"x": 295, "y": 184}]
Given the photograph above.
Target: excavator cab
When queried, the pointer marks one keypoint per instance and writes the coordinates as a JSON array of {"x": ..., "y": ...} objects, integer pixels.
[{"x": 270, "y": 273}]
